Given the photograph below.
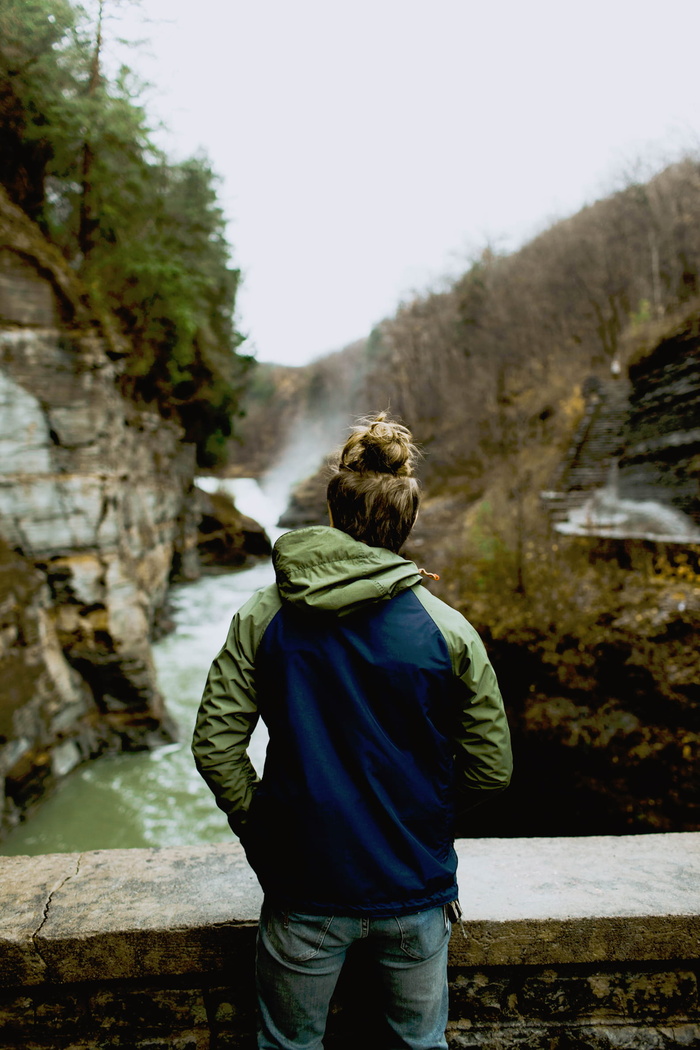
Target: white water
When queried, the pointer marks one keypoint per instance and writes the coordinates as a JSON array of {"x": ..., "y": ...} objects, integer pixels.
[
  {"x": 157, "y": 798},
  {"x": 605, "y": 513}
]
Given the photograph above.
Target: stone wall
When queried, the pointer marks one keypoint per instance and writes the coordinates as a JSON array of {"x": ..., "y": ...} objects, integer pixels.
[
  {"x": 95, "y": 501},
  {"x": 568, "y": 943}
]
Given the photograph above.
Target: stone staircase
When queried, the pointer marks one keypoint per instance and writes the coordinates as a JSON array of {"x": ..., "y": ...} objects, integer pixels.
[{"x": 596, "y": 445}]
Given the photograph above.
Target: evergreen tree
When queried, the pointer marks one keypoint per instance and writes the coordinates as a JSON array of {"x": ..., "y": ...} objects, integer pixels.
[{"x": 146, "y": 236}]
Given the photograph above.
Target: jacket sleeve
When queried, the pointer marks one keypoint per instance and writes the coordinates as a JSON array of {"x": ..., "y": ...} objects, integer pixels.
[
  {"x": 228, "y": 713},
  {"x": 483, "y": 757}
]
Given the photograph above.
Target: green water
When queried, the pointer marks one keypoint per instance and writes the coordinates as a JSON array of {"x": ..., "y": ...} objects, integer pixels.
[{"x": 152, "y": 798}]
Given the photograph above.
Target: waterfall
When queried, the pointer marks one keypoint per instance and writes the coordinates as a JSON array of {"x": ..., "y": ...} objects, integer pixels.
[{"x": 605, "y": 513}]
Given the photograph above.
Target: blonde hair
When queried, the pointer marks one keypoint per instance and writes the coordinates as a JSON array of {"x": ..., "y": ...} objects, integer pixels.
[{"x": 372, "y": 493}]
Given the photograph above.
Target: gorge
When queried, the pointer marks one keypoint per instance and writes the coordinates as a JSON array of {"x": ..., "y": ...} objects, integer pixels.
[
  {"x": 98, "y": 512},
  {"x": 561, "y": 511}
]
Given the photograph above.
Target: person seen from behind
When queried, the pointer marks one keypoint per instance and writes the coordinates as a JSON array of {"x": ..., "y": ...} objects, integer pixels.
[{"x": 385, "y": 725}]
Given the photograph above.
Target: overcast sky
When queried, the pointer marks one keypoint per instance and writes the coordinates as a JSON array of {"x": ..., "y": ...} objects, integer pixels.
[{"x": 369, "y": 148}]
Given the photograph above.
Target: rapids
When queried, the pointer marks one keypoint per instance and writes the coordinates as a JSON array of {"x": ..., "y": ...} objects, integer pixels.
[{"x": 157, "y": 798}]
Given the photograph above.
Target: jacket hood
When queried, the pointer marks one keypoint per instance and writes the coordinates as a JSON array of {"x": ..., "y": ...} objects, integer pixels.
[{"x": 323, "y": 568}]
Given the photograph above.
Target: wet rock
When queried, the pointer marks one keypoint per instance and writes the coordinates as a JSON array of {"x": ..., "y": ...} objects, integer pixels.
[
  {"x": 307, "y": 504},
  {"x": 226, "y": 538}
]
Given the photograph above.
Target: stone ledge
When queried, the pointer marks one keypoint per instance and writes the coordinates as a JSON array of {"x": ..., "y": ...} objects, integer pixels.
[{"x": 121, "y": 914}]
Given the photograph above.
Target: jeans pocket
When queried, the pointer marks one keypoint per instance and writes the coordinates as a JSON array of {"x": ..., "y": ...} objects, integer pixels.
[
  {"x": 424, "y": 933},
  {"x": 295, "y": 937}
]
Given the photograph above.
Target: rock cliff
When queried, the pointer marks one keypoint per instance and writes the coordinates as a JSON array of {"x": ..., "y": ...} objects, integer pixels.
[
  {"x": 632, "y": 467},
  {"x": 95, "y": 504},
  {"x": 661, "y": 460}
]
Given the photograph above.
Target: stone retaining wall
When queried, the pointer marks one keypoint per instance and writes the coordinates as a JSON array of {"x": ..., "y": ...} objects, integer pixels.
[{"x": 568, "y": 943}]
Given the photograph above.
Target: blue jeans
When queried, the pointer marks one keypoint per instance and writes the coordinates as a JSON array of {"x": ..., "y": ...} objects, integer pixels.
[{"x": 299, "y": 959}]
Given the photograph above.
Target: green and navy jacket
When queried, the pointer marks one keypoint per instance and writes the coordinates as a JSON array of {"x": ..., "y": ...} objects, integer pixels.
[{"x": 384, "y": 719}]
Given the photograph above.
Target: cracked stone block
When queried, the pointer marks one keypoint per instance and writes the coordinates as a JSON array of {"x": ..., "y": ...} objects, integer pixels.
[
  {"x": 27, "y": 892},
  {"x": 144, "y": 912}
]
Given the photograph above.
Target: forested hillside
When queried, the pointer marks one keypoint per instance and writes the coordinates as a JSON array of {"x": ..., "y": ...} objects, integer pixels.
[
  {"x": 479, "y": 369},
  {"x": 145, "y": 236},
  {"x": 595, "y": 637}
]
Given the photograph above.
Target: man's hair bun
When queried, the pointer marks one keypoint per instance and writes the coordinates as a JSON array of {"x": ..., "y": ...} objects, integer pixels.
[
  {"x": 372, "y": 494},
  {"x": 379, "y": 445}
]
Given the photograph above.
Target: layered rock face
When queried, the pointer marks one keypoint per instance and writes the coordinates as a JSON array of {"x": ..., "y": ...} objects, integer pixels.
[
  {"x": 47, "y": 712},
  {"x": 95, "y": 501},
  {"x": 633, "y": 467},
  {"x": 662, "y": 455}
]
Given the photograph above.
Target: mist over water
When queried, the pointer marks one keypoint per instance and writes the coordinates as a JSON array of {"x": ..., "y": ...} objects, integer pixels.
[
  {"x": 157, "y": 798},
  {"x": 306, "y": 450}
]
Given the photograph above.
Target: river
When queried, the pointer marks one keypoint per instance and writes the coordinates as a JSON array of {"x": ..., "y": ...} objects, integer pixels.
[{"x": 157, "y": 798}]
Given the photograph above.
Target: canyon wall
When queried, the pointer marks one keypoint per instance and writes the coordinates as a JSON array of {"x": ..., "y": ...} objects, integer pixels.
[{"x": 96, "y": 501}]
